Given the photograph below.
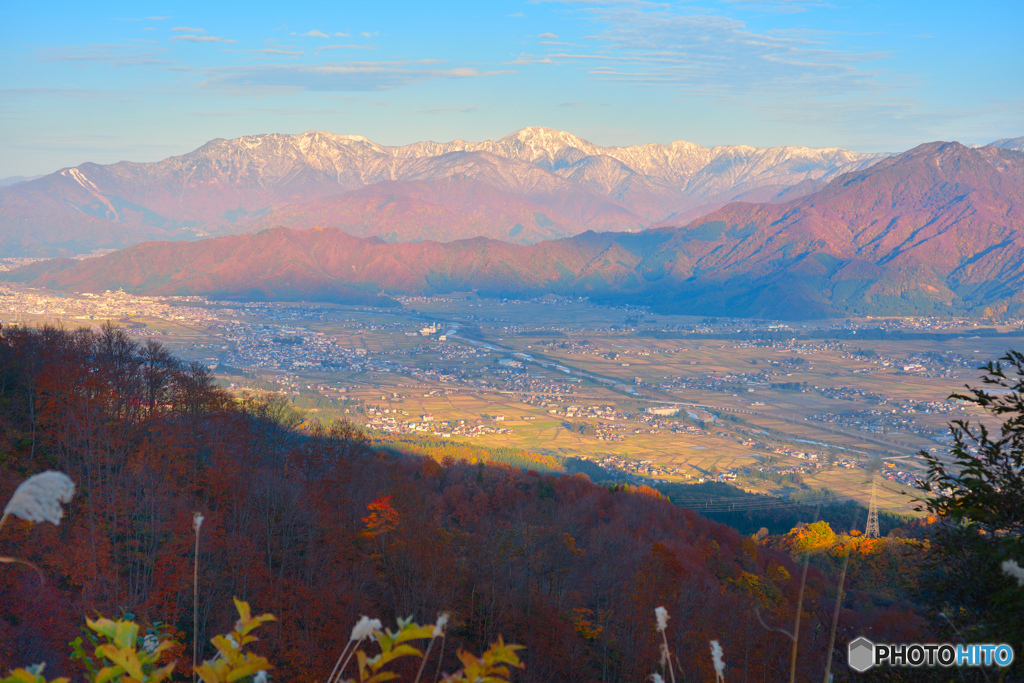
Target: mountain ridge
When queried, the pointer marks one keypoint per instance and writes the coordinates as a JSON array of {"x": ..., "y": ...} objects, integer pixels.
[
  {"x": 231, "y": 186},
  {"x": 937, "y": 229}
]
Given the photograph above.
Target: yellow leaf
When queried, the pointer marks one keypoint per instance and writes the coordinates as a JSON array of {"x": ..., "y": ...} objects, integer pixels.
[
  {"x": 124, "y": 658},
  {"x": 108, "y": 673},
  {"x": 127, "y": 632},
  {"x": 105, "y": 627},
  {"x": 209, "y": 674},
  {"x": 162, "y": 673},
  {"x": 382, "y": 676},
  {"x": 247, "y": 668},
  {"x": 244, "y": 613},
  {"x": 247, "y": 622},
  {"x": 400, "y": 651},
  {"x": 413, "y": 632},
  {"x": 225, "y": 647}
]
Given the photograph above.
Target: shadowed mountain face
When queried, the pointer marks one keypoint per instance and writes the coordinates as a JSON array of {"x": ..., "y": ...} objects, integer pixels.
[
  {"x": 535, "y": 184},
  {"x": 936, "y": 229}
]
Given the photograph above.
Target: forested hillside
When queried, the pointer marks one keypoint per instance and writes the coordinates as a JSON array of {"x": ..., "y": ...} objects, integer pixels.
[{"x": 313, "y": 524}]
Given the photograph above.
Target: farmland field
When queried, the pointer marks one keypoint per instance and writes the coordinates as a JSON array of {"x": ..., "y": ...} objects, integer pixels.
[{"x": 769, "y": 406}]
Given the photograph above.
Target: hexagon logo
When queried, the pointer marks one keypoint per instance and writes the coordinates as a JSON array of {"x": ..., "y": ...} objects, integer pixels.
[{"x": 861, "y": 654}]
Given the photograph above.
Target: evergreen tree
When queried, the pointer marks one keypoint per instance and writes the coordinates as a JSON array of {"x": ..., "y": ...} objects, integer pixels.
[{"x": 977, "y": 493}]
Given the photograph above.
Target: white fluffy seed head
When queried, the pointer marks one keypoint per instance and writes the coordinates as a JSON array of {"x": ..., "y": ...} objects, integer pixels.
[
  {"x": 656, "y": 678},
  {"x": 39, "y": 498},
  {"x": 197, "y": 521},
  {"x": 661, "y": 614},
  {"x": 365, "y": 627},
  {"x": 442, "y": 622},
  {"x": 1014, "y": 570},
  {"x": 716, "y": 657}
]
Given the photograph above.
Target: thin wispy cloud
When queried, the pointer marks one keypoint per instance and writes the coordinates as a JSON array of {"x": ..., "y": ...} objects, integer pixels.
[
  {"x": 189, "y": 29},
  {"x": 446, "y": 110},
  {"x": 344, "y": 47},
  {"x": 114, "y": 55},
  {"x": 343, "y": 35},
  {"x": 348, "y": 77},
  {"x": 195, "y": 38},
  {"x": 777, "y": 6},
  {"x": 157, "y": 18},
  {"x": 712, "y": 55},
  {"x": 550, "y": 36},
  {"x": 276, "y": 51},
  {"x": 72, "y": 93},
  {"x": 313, "y": 34}
]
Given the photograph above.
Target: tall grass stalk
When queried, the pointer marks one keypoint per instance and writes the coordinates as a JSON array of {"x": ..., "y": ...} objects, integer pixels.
[
  {"x": 661, "y": 615},
  {"x": 839, "y": 605},
  {"x": 442, "y": 621},
  {"x": 344, "y": 651},
  {"x": 345, "y": 663},
  {"x": 440, "y": 657},
  {"x": 800, "y": 607},
  {"x": 799, "y": 613},
  {"x": 363, "y": 629},
  {"x": 197, "y": 523}
]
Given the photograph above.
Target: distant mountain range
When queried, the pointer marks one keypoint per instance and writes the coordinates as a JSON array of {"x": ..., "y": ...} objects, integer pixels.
[
  {"x": 937, "y": 229},
  {"x": 533, "y": 185}
]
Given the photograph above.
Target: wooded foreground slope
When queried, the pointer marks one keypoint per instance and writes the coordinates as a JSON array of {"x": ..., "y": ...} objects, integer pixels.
[{"x": 316, "y": 527}]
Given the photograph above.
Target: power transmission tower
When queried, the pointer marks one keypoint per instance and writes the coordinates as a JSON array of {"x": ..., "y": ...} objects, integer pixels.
[{"x": 872, "y": 529}]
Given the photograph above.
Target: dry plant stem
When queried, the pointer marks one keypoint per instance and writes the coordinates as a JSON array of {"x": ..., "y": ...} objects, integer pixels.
[
  {"x": 757, "y": 613},
  {"x": 338, "y": 663},
  {"x": 15, "y": 560},
  {"x": 799, "y": 608},
  {"x": 835, "y": 614},
  {"x": 796, "y": 626},
  {"x": 961, "y": 636},
  {"x": 423, "y": 662},
  {"x": 671, "y": 671},
  {"x": 835, "y": 617},
  {"x": 195, "y": 609},
  {"x": 347, "y": 659},
  {"x": 440, "y": 658}
]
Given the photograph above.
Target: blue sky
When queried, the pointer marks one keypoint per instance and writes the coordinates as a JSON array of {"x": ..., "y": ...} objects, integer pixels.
[{"x": 141, "y": 81}]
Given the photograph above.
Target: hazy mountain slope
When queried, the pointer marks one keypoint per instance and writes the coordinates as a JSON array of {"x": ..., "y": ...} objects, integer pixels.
[
  {"x": 228, "y": 186},
  {"x": 64, "y": 214},
  {"x": 938, "y": 228},
  {"x": 1011, "y": 143},
  {"x": 449, "y": 208},
  {"x": 940, "y": 225}
]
